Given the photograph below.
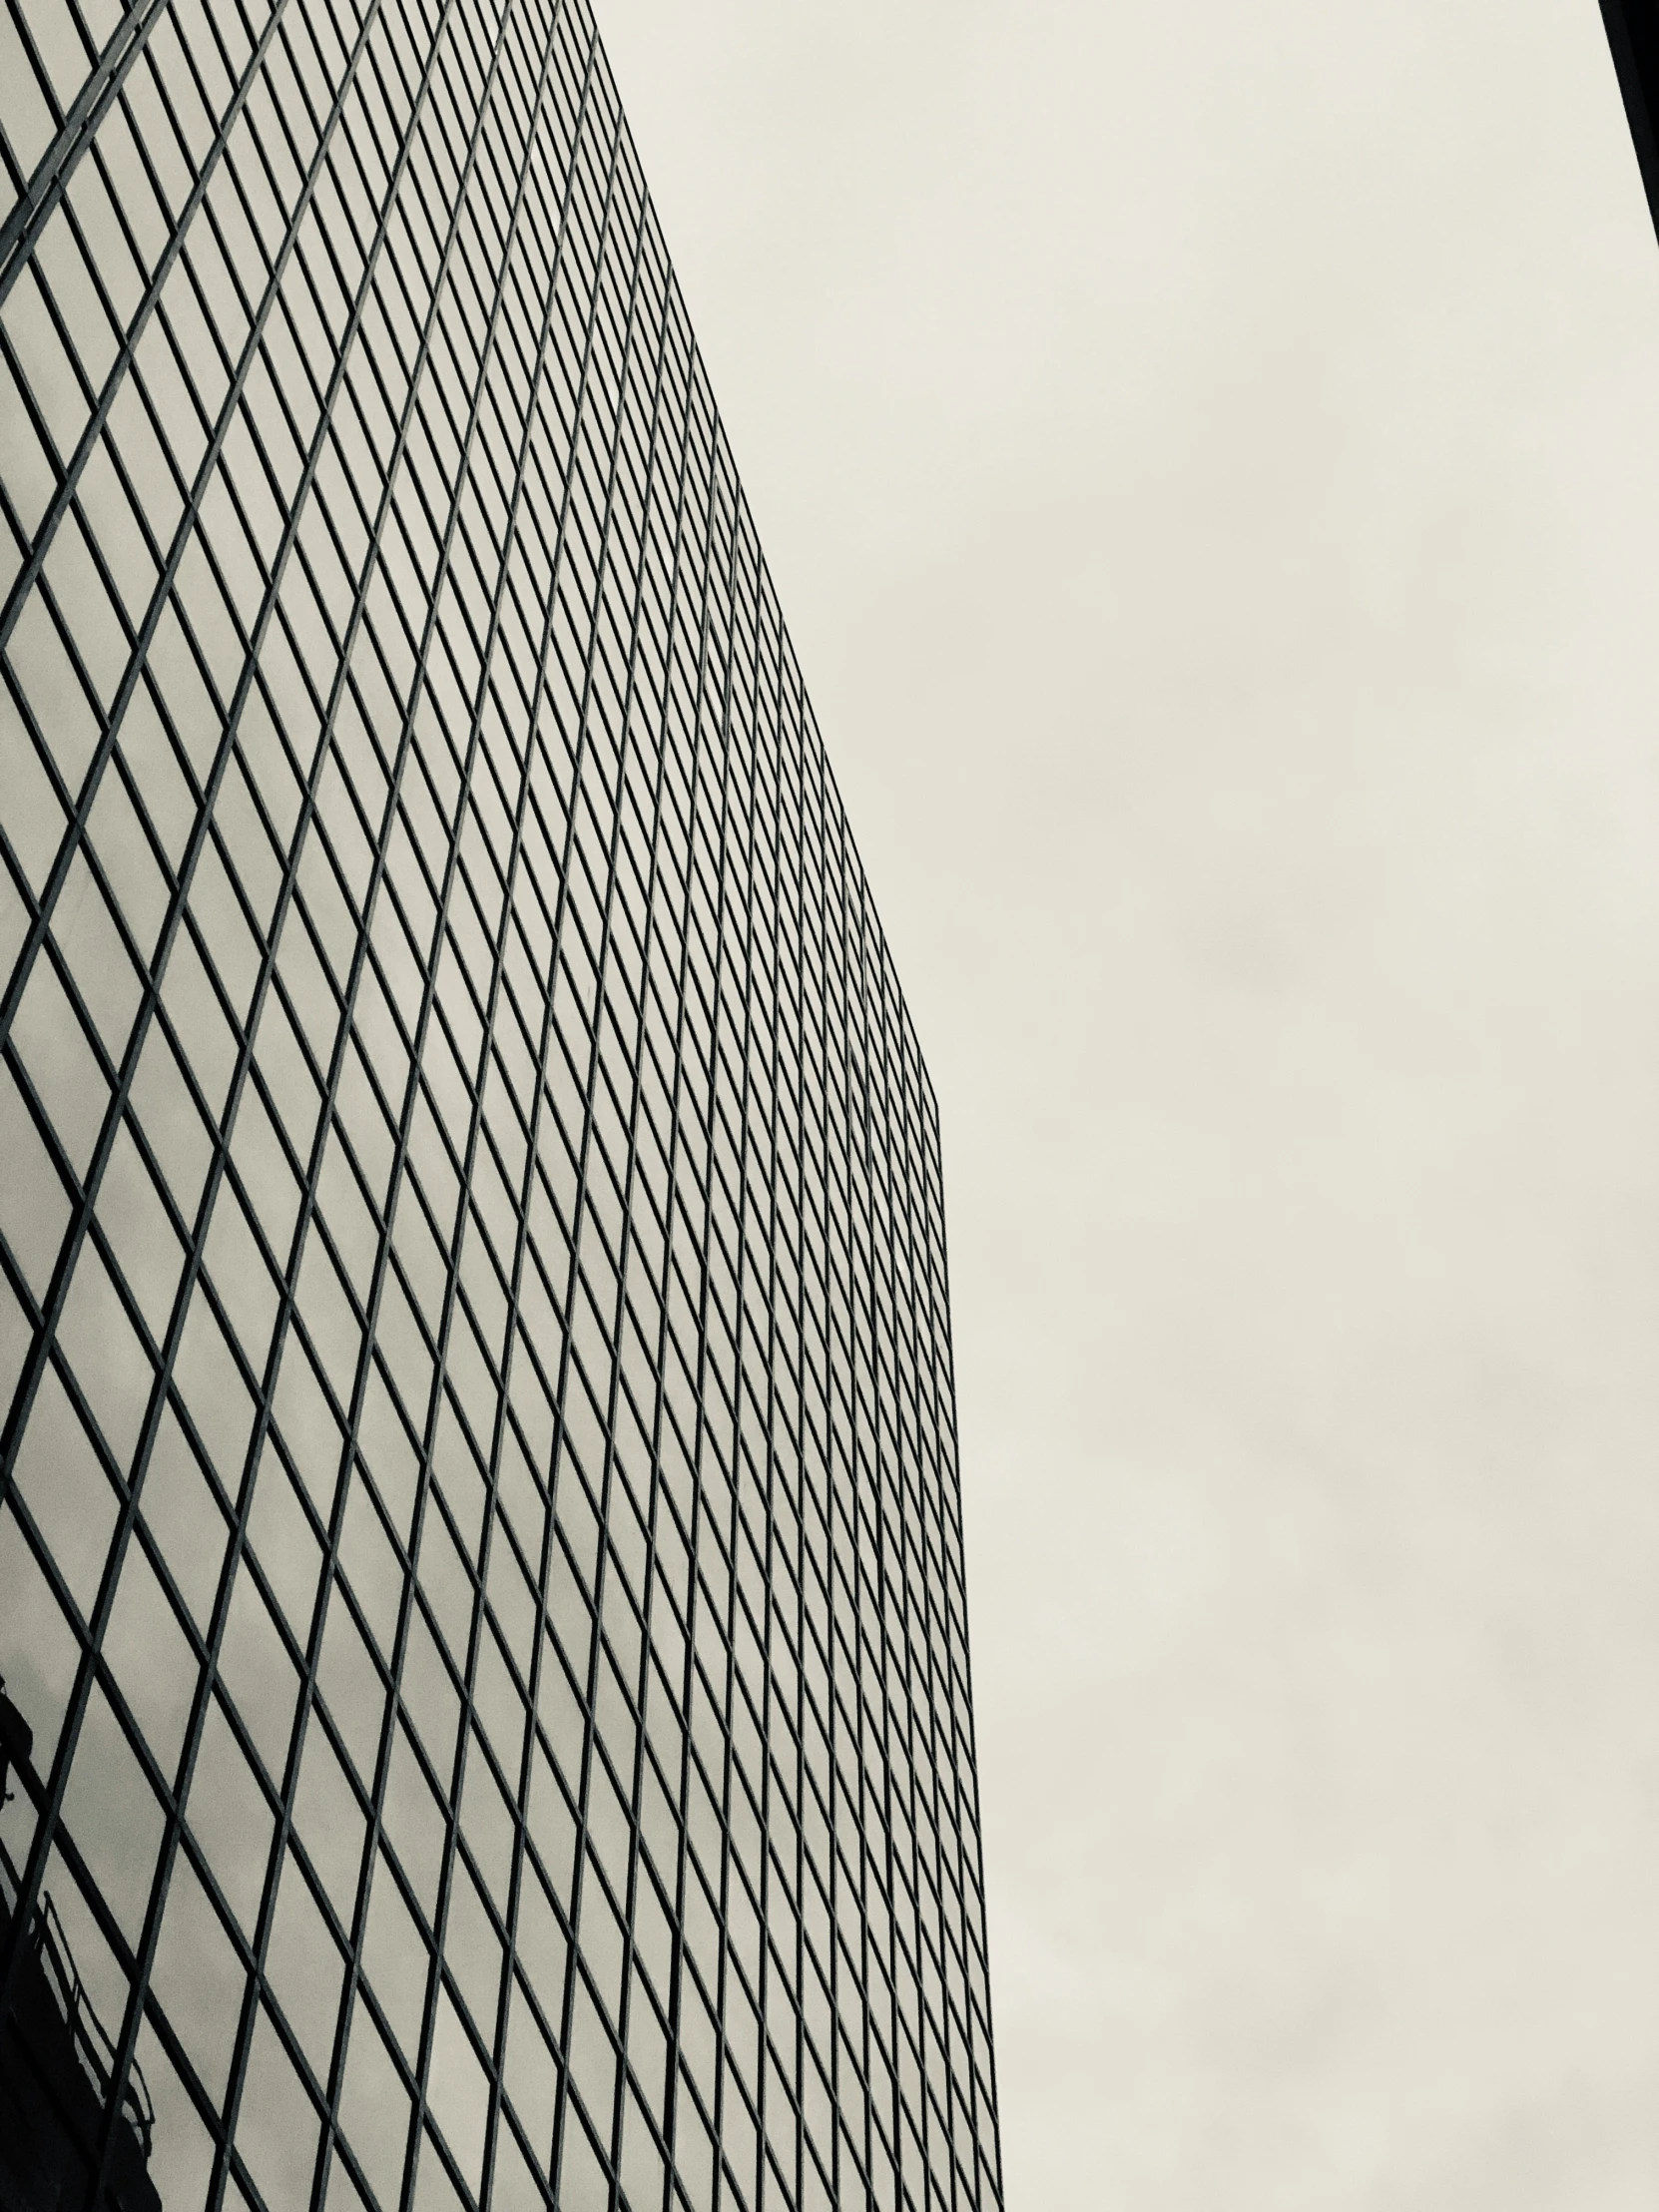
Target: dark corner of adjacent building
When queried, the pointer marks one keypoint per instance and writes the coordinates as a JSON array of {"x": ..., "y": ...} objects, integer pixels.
[{"x": 1633, "y": 34}]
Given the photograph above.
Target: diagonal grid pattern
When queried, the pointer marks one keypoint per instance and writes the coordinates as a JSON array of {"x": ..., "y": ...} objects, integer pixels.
[{"x": 478, "y": 1508}]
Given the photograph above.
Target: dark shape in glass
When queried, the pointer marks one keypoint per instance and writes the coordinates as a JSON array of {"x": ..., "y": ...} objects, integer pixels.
[{"x": 56, "y": 2060}]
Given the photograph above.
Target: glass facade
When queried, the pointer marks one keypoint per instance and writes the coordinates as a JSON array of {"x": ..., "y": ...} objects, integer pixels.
[{"x": 486, "y": 1706}]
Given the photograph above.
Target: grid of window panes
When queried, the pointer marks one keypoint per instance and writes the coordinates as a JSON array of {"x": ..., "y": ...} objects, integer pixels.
[{"x": 479, "y": 1544}]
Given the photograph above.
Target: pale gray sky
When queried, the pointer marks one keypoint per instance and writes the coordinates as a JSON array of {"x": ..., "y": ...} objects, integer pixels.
[{"x": 1210, "y": 462}]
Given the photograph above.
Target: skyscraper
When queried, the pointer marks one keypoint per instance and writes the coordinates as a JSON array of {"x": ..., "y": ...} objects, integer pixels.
[
  {"x": 486, "y": 1699},
  {"x": 1633, "y": 34}
]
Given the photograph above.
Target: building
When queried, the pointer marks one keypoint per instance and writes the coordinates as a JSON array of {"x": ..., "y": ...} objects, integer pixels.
[
  {"x": 481, "y": 1607},
  {"x": 1633, "y": 34}
]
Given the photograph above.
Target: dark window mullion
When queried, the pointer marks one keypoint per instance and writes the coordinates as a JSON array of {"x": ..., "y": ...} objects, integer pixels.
[{"x": 75, "y": 130}]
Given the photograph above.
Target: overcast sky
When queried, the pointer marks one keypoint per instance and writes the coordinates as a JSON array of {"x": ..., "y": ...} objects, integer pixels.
[{"x": 1209, "y": 458}]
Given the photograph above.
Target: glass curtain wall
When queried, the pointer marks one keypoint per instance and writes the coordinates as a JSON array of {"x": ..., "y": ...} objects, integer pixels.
[{"x": 486, "y": 1705}]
